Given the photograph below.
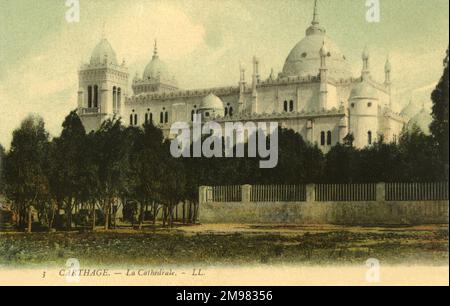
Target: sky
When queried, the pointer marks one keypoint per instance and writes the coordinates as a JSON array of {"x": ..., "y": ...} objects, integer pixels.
[{"x": 203, "y": 42}]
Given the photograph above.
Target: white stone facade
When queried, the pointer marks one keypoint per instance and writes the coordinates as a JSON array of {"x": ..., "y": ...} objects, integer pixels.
[{"x": 315, "y": 95}]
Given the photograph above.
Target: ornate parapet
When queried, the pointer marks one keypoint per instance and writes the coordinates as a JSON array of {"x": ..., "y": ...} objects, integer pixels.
[
  {"x": 200, "y": 93},
  {"x": 283, "y": 115}
]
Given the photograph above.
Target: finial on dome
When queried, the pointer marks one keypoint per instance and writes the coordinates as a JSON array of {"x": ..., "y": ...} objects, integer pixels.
[
  {"x": 155, "y": 49},
  {"x": 365, "y": 54},
  {"x": 315, "y": 20},
  {"x": 365, "y": 58},
  {"x": 323, "y": 50},
  {"x": 387, "y": 66},
  {"x": 104, "y": 30},
  {"x": 315, "y": 27}
]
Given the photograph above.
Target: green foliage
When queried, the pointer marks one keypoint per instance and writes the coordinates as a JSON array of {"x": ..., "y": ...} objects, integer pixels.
[
  {"x": 25, "y": 168},
  {"x": 439, "y": 126},
  {"x": 68, "y": 174},
  {"x": 133, "y": 166},
  {"x": 2, "y": 156}
]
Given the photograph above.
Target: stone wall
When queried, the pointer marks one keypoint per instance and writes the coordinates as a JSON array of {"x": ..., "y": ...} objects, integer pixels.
[
  {"x": 361, "y": 213},
  {"x": 343, "y": 213}
]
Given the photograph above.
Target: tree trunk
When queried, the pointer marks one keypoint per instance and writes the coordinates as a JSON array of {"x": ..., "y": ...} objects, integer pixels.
[
  {"x": 170, "y": 215},
  {"x": 164, "y": 215},
  {"x": 93, "y": 216},
  {"x": 30, "y": 219},
  {"x": 184, "y": 212},
  {"x": 196, "y": 206},
  {"x": 52, "y": 218},
  {"x": 141, "y": 215},
  {"x": 107, "y": 211},
  {"x": 154, "y": 213}
]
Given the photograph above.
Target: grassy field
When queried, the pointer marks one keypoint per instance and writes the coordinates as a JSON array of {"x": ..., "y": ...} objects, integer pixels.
[{"x": 230, "y": 244}]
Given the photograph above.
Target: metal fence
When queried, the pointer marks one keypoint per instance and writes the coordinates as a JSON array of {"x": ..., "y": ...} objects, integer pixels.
[
  {"x": 437, "y": 191},
  {"x": 346, "y": 192},
  {"x": 433, "y": 191},
  {"x": 278, "y": 193},
  {"x": 226, "y": 194}
]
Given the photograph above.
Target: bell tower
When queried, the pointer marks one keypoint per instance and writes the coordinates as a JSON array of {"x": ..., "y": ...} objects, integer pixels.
[{"x": 102, "y": 87}]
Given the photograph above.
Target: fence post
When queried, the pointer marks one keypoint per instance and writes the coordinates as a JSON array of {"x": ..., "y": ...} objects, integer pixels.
[
  {"x": 246, "y": 192},
  {"x": 381, "y": 192},
  {"x": 202, "y": 197},
  {"x": 310, "y": 193}
]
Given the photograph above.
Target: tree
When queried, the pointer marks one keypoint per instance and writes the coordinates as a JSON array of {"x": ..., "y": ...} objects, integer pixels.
[
  {"x": 173, "y": 184},
  {"x": 420, "y": 157},
  {"x": 2, "y": 156},
  {"x": 298, "y": 162},
  {"x": 25, "y": 169},
  {"x": 439, "y": 125},
  {"x": 68, "y": 166},
  {"x": 146, "y": 168},
  {"x": 111, "y": 147},
  {"x": 340, "y": 165}
]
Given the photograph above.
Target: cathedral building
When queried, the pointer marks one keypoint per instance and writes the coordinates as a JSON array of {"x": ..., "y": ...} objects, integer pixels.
[{"x": 315, "y": 94}]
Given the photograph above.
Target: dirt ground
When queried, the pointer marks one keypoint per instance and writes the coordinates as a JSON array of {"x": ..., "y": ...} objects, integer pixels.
[{"x": 235, "y": 244}]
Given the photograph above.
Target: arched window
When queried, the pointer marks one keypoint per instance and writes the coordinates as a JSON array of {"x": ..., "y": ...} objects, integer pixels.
[
  {"x": 230, "y": 112},
  {"x": 192, "y": 115},
  {"x": 322, "y": 138},
  {"x": 166, "y": 117},
  {"x": 369, "y": 137},
  {"x": 135, "y": 119},
  {"x": 114, "y": 98},
  {"x": 329, "y": 138},
  {"x": 89, "y": 96},
  {"x": 161, "y": 117},
  {"x": 146, "y": 118},
  {"x": 119, "y": 97},
  {"x": 291, "y": 106},
  {"x": 151, "y": 118},
  {"x": 131, "y": 119},
  {"x": 226, "y": 111},
  {"x": 95, "y": 96},
  {"x": 285, "y": 106}
]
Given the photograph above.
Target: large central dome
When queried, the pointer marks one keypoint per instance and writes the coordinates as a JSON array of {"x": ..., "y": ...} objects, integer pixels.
[{"x": 304, "y": 59}]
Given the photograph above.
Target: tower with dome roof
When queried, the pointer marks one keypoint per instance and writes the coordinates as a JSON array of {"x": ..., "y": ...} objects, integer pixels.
[{"x": 103, "y": 83}]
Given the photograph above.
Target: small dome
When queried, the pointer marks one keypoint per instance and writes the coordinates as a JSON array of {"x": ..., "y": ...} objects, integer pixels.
[
  {"x": 363, "y": 90},
  {"x": 156, "y": 69},
  {"x": 422, "y": 119},
  {"x": 211, "y": 107},
  {"x": 103, "y": 51},
  {"x": 211, "y": 101}
]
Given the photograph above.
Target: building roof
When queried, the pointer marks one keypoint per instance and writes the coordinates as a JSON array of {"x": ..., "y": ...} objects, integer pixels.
[
  {"x": 363, "y": 90},
  {"x": 304, "y": 58},
  {"x": 102, "y": 52},
  {"x": 157, "y": 69},
  {"x": 212, "y": 101}
]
